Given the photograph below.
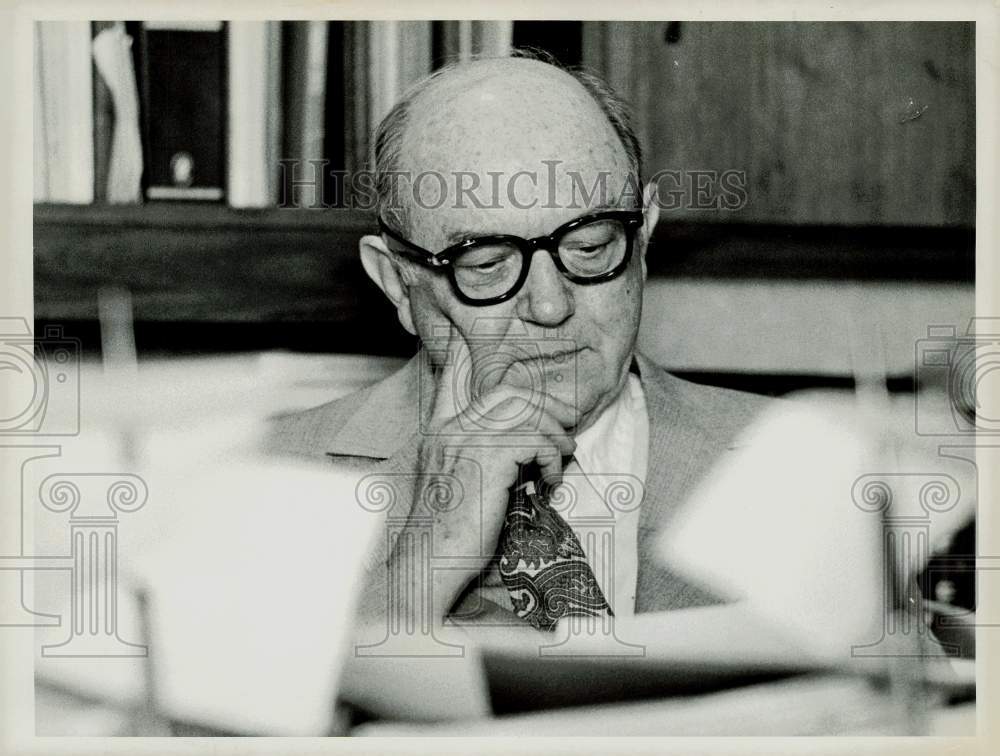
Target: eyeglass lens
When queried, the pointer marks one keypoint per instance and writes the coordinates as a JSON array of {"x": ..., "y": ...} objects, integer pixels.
[{"x": 492, "y": 269}]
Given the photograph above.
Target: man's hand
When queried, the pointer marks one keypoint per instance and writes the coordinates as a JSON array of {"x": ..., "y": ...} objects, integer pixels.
[{"x": 524, "y": 425}]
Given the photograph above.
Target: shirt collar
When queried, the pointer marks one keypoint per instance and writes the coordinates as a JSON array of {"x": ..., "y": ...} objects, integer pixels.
[{"x": 612, "y": 433}]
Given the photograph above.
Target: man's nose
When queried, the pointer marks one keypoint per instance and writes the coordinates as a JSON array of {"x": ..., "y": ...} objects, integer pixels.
[{"x": 547, "y": 298}]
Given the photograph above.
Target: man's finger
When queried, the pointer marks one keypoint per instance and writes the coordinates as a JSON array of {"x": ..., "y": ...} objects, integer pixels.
[
  {"x": 549, "y": 459},
  {"x": 523, "y": 406}
]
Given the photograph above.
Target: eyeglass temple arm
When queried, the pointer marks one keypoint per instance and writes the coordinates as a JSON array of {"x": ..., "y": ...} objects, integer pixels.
[{"x": 412, "y": 250}]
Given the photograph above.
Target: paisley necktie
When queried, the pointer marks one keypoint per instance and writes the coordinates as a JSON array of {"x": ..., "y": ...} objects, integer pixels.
[{"x": 541, "y": 560}]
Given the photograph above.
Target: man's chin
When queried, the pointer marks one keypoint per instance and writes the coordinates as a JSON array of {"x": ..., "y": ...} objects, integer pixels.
[
  {"x": 545, "y": 387},
  {"x": 570, "y": 395}
]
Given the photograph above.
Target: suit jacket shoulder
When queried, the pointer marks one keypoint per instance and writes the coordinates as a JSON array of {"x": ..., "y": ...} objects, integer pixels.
[
  {"x": 307, "y": 433},
  {"x": 719, "y": 412},
  {"x": 368, "y": 424}
]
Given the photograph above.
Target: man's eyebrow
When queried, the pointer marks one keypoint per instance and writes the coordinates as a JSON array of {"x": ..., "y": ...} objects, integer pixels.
[
  {"x": 459, "y": 236},
  {"x": 605, "y": 206},
  {"x": 456, "y": 237}
]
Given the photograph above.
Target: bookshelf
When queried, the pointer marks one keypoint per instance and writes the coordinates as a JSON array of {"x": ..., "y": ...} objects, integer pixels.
[{"x": 220, "y": 104}]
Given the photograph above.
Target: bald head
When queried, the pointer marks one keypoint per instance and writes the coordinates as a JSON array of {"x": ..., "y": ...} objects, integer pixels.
[
  {"x": 505, "y": 126},
  {"x": 508, "y": 104}
]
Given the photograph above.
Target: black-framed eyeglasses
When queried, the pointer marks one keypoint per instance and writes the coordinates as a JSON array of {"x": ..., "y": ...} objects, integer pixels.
[{"x": 487, "y": 270}]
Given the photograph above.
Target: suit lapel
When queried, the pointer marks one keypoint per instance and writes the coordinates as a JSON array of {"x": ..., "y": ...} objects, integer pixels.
[
  {"x": 386, "y": 416},
  {"x": 680, "y": 450}
]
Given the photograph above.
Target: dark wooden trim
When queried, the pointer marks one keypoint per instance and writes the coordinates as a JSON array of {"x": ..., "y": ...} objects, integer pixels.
[
  {"x": 779, "y": 384},
  {"x": 206, "y": 263},
  {"x": 702, "y": 250},
  {"x": 767, "y": 251},
  {"x": 196, "y": 216}
]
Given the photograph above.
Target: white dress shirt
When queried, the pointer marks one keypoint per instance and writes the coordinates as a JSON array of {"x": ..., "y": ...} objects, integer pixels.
[{"x": 599, "y": 498}]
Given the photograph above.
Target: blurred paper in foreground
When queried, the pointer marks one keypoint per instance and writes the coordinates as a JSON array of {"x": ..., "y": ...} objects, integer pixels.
[
  {"x": 249, "y": 565},
  {"x": 252, "y": 595},
  {"x": 776, "y": 527}
]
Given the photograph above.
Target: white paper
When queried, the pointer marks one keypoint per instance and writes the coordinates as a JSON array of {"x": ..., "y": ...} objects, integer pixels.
[
  {"x": 252, "y": 594},
  {"x": 776, "y": 527}
]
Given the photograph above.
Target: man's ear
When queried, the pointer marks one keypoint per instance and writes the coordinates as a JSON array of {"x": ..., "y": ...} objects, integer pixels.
[
  {"x": 650, "y": 216},
  {"x": 650, "y": 210},
  {"x": 383, "y": 268}
]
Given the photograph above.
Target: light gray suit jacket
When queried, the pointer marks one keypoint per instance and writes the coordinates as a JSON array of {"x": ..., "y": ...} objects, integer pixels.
[{"x": 691, "y": 427}]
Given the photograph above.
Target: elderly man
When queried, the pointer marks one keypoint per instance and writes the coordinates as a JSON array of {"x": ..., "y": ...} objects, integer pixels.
[{"x": 527, "y": 303}]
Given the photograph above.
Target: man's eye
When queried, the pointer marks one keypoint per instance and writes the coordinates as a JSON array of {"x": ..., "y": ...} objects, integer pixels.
[
  {"x": 587, "y": 249},
  {"x": 484, "y": 265},
  {"x": 483, "y": 261}
]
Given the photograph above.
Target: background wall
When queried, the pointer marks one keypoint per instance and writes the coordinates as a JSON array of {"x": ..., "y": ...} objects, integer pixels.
[{"x": 857, "y": 142}]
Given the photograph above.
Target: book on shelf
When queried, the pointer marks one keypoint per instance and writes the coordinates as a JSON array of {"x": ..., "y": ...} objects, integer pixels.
[
  {"x": 254, "y": 112},
  {"x": 306, "y": 51},
  {"x": 63, "y": 131},
  {"x": 182, "y": 75}
]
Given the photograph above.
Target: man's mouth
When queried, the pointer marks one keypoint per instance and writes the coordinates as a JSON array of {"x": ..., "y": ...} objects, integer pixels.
[
  {"x": 559, "y": 357},
  {"x": 528, "y": 369}
]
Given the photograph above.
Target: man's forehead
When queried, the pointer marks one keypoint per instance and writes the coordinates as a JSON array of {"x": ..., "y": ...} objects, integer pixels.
[
  {"x": 457, "y": 226},
  {"x": 508, "y": 115},
  {"x": 494, "y": 80},
  {"x": 527, "y": 136}
]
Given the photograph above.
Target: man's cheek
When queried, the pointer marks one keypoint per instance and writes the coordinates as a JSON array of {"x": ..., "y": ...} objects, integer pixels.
[
  {"x": 430, "y": 311},
  {"x": 614, "y": 314},
  {"x": 633, "y": 283}
]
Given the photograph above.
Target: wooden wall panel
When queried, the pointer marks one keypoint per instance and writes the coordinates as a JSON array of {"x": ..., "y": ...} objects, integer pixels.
[{"x": 823, "y": 117}]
